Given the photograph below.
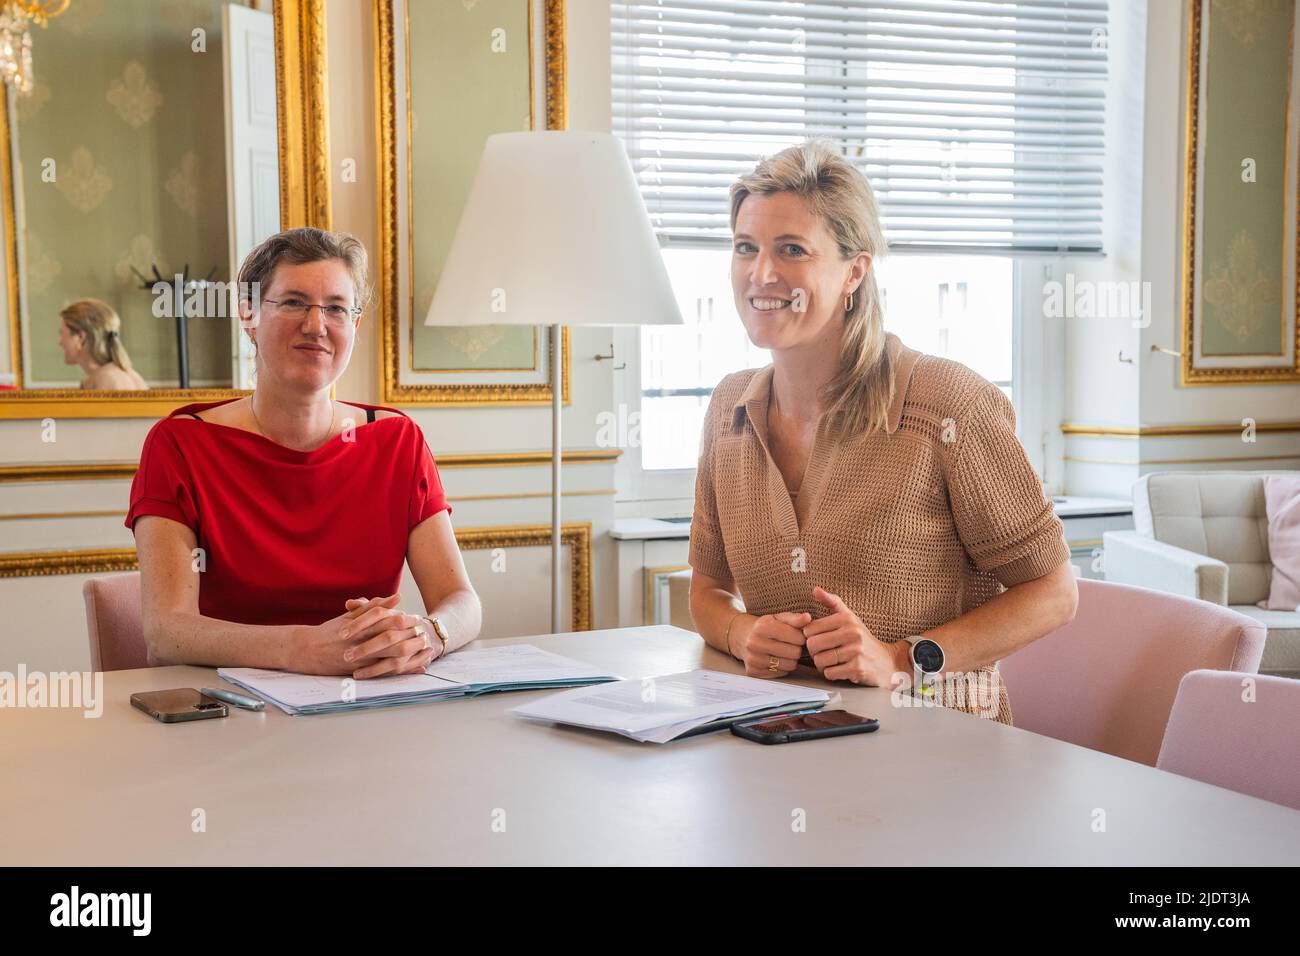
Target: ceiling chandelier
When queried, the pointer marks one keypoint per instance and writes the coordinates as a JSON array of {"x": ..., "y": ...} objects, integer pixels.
[{"x": 15, "y": 40}]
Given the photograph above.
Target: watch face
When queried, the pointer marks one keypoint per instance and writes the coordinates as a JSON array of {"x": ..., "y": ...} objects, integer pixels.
[{"x": 928, "y": 656}]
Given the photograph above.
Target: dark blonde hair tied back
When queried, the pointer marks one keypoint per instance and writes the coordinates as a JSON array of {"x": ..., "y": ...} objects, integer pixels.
[{"x": 859, "y": 395}]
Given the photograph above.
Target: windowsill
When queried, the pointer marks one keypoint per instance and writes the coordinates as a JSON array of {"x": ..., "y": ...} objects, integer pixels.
[
  {"x": 1073, "y": 506},
  {"x": 647, "y": 529},
  {"x": 1067, "y": 506}
]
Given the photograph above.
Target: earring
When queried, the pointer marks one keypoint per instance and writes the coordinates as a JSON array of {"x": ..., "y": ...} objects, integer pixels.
[{"x": 848, "y": 302}]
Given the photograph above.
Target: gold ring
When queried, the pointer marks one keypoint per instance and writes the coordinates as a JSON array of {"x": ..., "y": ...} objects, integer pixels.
[
  {"x": 772, "y": 663},
  {"x": 837, "y": 657}
]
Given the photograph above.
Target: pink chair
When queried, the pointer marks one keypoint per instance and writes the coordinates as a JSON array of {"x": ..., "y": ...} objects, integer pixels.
[
  {"x": 1238, "y": 736},
  {"x": 113, "y": 620},
  {"x": 1107, "y": 680}
]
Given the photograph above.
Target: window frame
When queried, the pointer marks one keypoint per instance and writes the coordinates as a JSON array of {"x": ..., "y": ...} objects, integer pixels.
[{"x": 670, "y": 492}]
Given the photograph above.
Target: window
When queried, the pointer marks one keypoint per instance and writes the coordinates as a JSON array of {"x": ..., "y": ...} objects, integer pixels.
[
  {"x": 680, "y": 364},
  {"x": 980, "y": 126},
  {"x": 959, "y": 307}
]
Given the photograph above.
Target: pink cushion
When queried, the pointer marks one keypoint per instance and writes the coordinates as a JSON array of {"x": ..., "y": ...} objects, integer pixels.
[
  {"x": 1237, "y": 731},
  {"x": 1282, "y": 501},
  {"x": 114, "y": 623},
  {"x": 1107, "y": 680}
]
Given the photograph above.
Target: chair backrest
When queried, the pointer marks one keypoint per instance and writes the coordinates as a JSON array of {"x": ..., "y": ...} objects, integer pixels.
[
  {"x": 114, "y": 623},
  {"x": 1107, "y": 680},
  {"x": 1216, "y": 513},
  {"x": 1237, "y": 731}
]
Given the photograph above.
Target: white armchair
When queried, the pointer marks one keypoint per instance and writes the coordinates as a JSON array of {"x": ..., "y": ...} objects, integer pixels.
[
  {"x": 1132, "y": 557},
  {"x": 1205, "y": 535}
]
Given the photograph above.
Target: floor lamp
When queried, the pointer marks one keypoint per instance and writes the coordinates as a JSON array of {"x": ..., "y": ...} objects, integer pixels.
[{"x": 554, "y": 233}]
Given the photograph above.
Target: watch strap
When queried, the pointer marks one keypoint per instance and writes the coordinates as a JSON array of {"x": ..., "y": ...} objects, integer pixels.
[{"x": 439, "y": 630}]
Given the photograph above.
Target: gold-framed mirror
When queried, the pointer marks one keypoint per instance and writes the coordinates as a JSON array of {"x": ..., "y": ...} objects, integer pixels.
[
  {"x": 485, "y": 67},
  {"x": 151, "y": 144}
]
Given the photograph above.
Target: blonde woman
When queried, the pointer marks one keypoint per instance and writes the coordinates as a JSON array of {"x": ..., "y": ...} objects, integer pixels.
[
  {"x": 90, "y": 334},
  {"x": 870, "y": 505}
]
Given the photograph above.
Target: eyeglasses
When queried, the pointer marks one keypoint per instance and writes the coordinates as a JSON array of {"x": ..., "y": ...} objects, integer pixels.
[{"x": 298, "y": 309}]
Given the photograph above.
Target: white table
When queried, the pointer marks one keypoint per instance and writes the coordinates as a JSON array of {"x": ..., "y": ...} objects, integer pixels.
[{"x": 424, "y": 784}]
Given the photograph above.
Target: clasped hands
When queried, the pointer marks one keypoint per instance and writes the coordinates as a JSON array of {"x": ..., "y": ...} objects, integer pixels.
[
  {"x": 841, "y": 646},
  {"x": 372, "y": 638}
]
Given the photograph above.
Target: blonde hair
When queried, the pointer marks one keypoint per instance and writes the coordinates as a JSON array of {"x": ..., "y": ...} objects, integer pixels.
[
  {"x": 103, "y": 330},
  {"x": 859, "y": 395}
]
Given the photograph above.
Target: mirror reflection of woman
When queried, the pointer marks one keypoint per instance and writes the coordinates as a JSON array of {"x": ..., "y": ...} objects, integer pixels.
[{"x": 90, "y": 334}]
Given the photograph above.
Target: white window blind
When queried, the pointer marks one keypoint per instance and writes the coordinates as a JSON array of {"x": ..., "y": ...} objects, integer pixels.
[{"x": 979, "y": 124}]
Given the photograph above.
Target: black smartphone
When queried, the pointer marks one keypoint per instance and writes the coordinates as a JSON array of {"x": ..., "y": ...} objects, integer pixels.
[
  {"x": 784, "y": 730},
  {"x": 181, "y": 703}
]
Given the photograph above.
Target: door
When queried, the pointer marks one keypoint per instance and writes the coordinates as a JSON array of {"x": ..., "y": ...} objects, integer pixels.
[{"x": 252, "y": 153}]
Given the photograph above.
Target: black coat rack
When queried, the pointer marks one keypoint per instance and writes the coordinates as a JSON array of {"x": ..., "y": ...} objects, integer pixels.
[{"x": 178, "y": 310}]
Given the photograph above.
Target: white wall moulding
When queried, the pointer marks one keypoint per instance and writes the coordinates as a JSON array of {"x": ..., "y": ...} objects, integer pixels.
[
  {"x": 1175, "y": 431},
  {"x": 116, "y": 471},
  {"x": 1220, "y": 460},
  {"x": 109, "y": 513},
  {"x": 576, "y": 536}
]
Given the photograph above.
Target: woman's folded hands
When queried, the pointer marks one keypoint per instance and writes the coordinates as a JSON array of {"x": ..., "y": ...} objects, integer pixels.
[
  {"x": 770, "y": 646},
  {"x": 843, "y": 648},
  {"x": 840, "y": 645},
  {"x": 373, "y": 637}
]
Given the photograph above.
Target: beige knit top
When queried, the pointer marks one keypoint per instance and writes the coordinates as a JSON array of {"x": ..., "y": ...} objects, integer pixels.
[{"x": 912, "y": 527}]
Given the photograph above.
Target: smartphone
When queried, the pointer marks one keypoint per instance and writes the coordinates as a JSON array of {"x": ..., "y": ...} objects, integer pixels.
[
  {"x": 181, "y": 703},
  {"x": 784, "y": 730}
]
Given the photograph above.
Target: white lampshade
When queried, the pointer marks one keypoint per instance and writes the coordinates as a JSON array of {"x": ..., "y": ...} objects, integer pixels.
[{"x": 554, "y": 233}]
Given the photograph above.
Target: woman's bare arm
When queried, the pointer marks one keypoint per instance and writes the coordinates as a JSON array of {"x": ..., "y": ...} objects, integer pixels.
[
  {"x": 439, "y": 572},
  {"x": 768, "y": 646},
  {"x": 174, "y": 630},
  {"x": 1005, "y": 623},
  {"x": 714, "y": 606}
]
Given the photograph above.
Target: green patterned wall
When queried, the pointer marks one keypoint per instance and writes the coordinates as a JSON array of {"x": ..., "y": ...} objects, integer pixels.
[
  {"x": 1244, "y": 226},
  {"x": 134, "y": 119},
  {"x": 469, "y": 74}
]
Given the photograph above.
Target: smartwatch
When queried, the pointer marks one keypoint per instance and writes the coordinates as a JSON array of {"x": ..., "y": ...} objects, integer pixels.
[{"x": 927, "y": 660}]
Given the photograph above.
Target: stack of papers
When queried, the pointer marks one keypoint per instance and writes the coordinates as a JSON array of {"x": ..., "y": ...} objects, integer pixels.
[
  {"x": 659, "y": 709},
  {"x": 465, "y": 673}
]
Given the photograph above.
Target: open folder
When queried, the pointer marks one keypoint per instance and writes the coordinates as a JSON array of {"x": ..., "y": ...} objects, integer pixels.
[
  {"x": 659, "y": 709},
  {"x": 466, "y": 673}
]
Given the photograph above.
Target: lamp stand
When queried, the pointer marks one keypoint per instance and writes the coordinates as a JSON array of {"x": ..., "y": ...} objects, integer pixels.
[{"x": 557, "y": 454}]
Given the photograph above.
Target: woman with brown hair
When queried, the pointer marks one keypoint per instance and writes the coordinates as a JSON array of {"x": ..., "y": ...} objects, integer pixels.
[
  {"x": 273, "y": 529},
  {"x": 90, "y": 334},
  {"x": 870, "y": 505}
]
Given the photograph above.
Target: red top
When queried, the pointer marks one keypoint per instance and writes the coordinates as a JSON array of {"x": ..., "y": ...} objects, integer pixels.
[{"x": 288, "y": 536}]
